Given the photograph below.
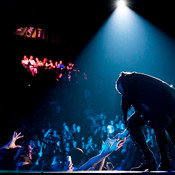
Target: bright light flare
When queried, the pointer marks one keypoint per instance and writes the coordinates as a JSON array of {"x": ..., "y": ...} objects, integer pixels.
[{"x": 121, "y": 4}]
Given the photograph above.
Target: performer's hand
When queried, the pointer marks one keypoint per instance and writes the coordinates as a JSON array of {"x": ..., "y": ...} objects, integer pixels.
[
  {"x": 119, "y": 136},
  {"x": 117, "y": 144},
  {"x": 122, "y": 135},
  {"x": 121, "y": 142}
]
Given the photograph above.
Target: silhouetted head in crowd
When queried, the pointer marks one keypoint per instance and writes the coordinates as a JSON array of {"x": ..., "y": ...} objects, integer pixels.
[
  {"x": 77, "y": 156},
  {"x": 78, "y": 128}
]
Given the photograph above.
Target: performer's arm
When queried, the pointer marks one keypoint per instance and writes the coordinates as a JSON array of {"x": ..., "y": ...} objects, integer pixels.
[
  {"x": 126, "y": 104},
  {"x": 125, "y": 117},
  {"x": 99, "y": 166}
]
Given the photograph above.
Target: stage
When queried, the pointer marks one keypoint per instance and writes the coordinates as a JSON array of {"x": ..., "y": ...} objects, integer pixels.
[{"x": 90, "y": 172}]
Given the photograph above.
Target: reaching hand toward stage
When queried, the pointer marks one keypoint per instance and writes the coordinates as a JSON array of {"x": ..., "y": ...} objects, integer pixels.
[
  {"x": 111, "y": 145},
  {"x": 106, "y": 145},
  {"x": 12, "y": 144}
]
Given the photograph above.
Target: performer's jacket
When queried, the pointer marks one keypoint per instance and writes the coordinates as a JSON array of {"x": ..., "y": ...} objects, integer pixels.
[{"x": 153, "y": 99}]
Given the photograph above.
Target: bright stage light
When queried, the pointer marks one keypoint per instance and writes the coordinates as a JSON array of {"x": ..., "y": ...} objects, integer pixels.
[{"x": 121, "y": 3}]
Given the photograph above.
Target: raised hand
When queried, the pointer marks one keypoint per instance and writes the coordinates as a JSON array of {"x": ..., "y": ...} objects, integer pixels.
[
  {"x": 15, "y": 137},
  {"x": 111, "y": 145},
  {"x": 12, "y": 144},
  {"x": 68, "y": 166},
  {"x": 47, "y": 133},
  {"x": 106, "y": 145}
]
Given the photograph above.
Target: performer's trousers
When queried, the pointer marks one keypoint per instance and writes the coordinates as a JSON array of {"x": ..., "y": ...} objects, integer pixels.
[
  {"x": 134, "y": 124},
  {"x": 163, "y": 141}
]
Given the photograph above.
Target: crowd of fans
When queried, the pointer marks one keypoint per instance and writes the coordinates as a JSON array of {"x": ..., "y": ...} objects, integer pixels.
[
  {"x": 36, "y": 66},
  {"x": 48, "y": 149}
]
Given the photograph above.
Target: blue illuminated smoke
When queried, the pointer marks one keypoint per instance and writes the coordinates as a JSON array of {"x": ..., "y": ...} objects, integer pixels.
[{"x": 127, "y": 42}]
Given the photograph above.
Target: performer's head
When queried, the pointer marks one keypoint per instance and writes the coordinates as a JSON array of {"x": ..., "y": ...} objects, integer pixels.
[{"x": 119, "y": 85}]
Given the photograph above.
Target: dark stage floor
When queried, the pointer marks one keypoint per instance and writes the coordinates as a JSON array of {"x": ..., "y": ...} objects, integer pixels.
[{"x": 90, "y": 172}]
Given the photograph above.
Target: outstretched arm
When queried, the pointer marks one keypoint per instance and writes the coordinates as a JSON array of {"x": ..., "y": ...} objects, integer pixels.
[
  {"x": 99, "y": 166},
  {"x": 107, "y": 148},
  {"x": 93, "y": 160},
  {"x": 12, "y": 144}
]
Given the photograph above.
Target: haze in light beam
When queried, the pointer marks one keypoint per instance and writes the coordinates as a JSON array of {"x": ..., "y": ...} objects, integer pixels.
[{"x": 127, "y": 42}]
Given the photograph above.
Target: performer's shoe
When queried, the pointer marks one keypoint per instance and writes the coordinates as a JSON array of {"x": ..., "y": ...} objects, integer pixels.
[
  {"x": 146, "y": 165},
  {"x": 164, "y": 165}
]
